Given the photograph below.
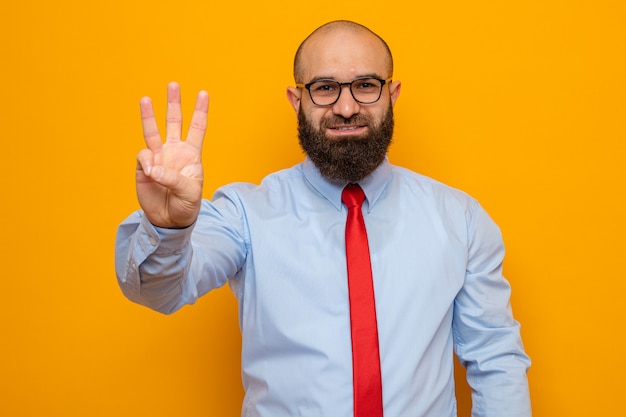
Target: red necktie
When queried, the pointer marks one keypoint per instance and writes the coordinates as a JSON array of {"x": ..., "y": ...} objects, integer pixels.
[{"x": 368, "y": 401}]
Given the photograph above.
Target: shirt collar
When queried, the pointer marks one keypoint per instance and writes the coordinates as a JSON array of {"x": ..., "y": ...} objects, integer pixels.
[{"x": 373, "y": 185}]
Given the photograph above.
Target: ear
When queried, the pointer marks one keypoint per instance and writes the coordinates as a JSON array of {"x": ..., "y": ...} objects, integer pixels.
[
  {"x": 394, "y": 91},
  {"x": 294, "y": 95}
]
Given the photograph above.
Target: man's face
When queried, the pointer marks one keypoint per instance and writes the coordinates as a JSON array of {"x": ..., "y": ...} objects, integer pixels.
[
  {"x": 351, "y": 156},
  {"x": 346, "y": 140}
]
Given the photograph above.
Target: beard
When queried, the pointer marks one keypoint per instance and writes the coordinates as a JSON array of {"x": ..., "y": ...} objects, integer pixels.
[{"x": 348, "y": 158}]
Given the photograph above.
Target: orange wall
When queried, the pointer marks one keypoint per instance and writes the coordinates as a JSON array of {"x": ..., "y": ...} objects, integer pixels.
[{"x": 520, "y": 103}]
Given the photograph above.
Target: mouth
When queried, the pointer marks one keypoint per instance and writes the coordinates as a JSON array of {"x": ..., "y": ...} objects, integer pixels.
[{"x": 346, "y": 130}]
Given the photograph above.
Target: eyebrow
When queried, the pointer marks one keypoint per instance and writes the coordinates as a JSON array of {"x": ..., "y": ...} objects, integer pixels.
[{"x": 365, "y": 75}]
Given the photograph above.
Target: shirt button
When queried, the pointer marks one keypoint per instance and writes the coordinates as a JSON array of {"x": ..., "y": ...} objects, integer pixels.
[{"x": 153, "y": 241}]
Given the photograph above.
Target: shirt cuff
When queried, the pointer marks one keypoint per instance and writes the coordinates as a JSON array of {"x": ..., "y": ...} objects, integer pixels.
[{"x": 161, "y": 240}]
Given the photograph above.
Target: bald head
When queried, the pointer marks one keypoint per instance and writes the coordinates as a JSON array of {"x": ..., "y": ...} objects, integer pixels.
[{"x": 333, "y": 30}]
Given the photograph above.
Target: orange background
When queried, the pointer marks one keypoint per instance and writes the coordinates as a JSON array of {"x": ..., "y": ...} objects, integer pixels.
[{"x": 520, "y": 103}]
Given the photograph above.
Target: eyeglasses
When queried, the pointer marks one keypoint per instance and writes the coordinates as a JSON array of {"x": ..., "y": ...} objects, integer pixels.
[{"x": 326, "y": 92}]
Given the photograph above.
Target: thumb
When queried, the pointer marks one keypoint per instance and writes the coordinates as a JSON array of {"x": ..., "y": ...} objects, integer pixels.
[{"x": 168, "y": 178}]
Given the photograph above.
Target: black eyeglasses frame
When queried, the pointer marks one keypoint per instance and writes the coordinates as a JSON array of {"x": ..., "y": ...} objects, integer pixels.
[{"x": 341, "y": 85}]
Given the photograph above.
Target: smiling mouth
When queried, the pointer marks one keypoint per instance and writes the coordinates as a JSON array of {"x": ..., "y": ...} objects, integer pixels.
[
  {"x": 355, "y": 126},
  {"x": 346, "y": 129}
]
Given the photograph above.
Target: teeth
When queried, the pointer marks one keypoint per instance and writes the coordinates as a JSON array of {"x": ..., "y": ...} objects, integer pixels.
[{"x": 347, "y": 128}]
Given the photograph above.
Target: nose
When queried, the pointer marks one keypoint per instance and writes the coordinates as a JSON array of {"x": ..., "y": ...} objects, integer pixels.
[{"x": 346, "y": 106}]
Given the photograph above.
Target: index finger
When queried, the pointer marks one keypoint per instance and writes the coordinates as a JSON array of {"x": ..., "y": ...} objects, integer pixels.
[
  {"x": 150, "y": 129},
  {"x": 197, "y": 128}
]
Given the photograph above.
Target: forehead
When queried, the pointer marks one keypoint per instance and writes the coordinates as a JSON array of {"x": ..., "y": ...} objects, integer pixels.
[{"x": 344, "y": 54}]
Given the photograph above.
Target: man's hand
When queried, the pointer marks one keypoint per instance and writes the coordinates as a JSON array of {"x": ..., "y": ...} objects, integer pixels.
[{"x": 169, "y": 175}]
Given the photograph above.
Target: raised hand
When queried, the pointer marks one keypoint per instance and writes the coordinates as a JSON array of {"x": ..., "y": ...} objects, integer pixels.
[{"x": 169, "y": 175}]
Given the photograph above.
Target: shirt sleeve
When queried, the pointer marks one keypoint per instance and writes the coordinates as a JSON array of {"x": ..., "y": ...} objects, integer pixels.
[
  {"x": 165, "y": 269},
  {"x": 487, "y": 337}
]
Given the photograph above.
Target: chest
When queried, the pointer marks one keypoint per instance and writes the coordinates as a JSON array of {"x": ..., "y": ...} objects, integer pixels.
[{"x": 296, "y": 268}]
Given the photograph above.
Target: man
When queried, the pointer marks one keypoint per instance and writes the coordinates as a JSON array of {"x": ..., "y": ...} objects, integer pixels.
[{"x": 434, "y": 259}]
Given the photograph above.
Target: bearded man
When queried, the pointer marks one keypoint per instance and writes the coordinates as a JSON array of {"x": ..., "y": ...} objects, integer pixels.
[{"x": 356, "y": 279}]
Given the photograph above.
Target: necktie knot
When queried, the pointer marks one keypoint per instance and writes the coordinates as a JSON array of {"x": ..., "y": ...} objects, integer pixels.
[{"x": 353, "y": 195}]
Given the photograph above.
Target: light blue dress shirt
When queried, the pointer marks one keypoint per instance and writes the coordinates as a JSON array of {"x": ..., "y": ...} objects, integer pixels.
[{"x": 437, "y": 268}]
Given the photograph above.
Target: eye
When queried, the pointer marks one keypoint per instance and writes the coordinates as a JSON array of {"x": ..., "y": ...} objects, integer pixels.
[
  {"x": 367, "y": 84},
  {"x": 324, "y": 87}
]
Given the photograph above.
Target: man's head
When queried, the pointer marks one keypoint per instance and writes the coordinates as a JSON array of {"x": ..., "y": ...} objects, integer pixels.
[{"x": 348, "y": 138}]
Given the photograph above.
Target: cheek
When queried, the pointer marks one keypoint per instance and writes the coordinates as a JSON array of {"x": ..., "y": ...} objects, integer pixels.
[
  {"x": 379, "y": 114},
  {"x": 314, "y": 116}
]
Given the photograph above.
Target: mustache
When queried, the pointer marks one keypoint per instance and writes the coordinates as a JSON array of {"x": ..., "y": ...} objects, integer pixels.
[{"x": 336, "y": 120}]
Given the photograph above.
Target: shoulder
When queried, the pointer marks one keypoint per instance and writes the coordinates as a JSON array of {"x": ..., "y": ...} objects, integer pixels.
[
  {"x": 426, "y": 187},
  {"x": 274, "y": 182},
  {"x": 433, "y": 196}
]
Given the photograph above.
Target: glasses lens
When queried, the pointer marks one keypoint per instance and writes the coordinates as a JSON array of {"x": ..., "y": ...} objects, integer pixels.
[
  {"x": 324, "y": 92},
  {"x": 366, "y": 90}
]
